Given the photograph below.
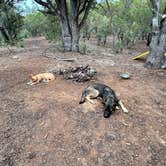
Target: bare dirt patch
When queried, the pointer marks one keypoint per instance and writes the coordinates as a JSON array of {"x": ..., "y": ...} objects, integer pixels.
[{"x": 43, "y": 125}]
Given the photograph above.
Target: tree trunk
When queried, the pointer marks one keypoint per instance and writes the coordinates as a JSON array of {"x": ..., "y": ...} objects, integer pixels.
[
  {"x": 163, "y": 39},
  {"x": 65, "y": 26},
  {"x": 5, "y": 35},
  {"x": 113, "y": 41},
  {"x": 70, "y": 38},
  {"x": 75, "y": 30},
  {"x": 75, "y": 36},
  {"x": 66, "y": 36},
  {"x": 156, "y": 57}
]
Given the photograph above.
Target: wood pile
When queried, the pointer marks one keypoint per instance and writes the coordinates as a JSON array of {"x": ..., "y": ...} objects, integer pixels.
[{"x": 79, "y": 74}]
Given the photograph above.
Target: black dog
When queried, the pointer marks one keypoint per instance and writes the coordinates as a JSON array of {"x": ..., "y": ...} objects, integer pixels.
[{"x": 108, "y": 96}]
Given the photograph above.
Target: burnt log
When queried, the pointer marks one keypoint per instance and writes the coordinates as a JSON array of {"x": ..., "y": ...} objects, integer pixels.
[{"x": 79, "y": 73}]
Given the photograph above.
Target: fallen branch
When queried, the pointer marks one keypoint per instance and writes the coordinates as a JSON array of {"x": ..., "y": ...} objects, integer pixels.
[
  {"x": 61, "y": 59},
  {"x": 64, "y": 59},
  {"x": 57, "y": 58}
]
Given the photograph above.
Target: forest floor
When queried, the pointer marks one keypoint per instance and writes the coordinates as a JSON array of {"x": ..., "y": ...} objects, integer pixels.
[{"x": 43, "y": 125}]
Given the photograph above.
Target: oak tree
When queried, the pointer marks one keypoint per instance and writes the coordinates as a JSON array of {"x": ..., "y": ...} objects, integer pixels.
[
  {"x": 156, "y": 57},
  {"x": 71, "y": 15}
]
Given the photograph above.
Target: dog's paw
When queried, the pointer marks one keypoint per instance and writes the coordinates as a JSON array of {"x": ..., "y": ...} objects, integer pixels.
[
  {"x": 117, "y": 108},
  {"x": 81, "y": 102},
  {"x": 31, "y": 83}
]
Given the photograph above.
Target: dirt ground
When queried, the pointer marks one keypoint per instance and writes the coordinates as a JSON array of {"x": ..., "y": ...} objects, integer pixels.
[{"x": 43, "y": 125}]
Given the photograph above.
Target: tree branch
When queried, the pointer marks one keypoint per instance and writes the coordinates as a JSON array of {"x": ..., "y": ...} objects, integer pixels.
[
  {"x": 83, "y": 7},
  {"x": 86, "y": 12},
  {"x": 104, "y": 10},
  {"x": 45, "y": 4},
  {"x": 51, "y": 9},
  {"x": 108, "y": 5},
  {"x": 48, "y": 12},
  {"x": 155, "y": 10}
]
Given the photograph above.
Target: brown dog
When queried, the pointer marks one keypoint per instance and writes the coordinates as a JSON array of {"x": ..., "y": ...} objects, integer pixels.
[{"x": 42, "y": 77}]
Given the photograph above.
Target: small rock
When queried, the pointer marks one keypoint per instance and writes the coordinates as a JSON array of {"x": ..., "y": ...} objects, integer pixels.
[
  {"x": 110, "y": 137},
  {"x": 31, "y": 155},
  {"x": 157, "y": 100},
  {"x": 107, "y": 54},
  {"x": 127, "y": 143},
  {"x": 163, "y": 66},
  {"x": 163, "y": 93},
  {"x": 15, "y": 57},
  {"x": 161, "y": 74},
  {"x": 125, "y": 124}
]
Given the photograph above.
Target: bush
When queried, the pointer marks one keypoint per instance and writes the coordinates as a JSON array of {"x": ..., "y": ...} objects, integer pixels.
[
  {"x": 118, "y": 46},
  {"x": 37, "y": 24}
]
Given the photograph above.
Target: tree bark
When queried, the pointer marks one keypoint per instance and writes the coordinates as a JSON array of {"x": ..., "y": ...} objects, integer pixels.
[
  {"x": 75, "y": 36},
  {"x": 66, "y": 36},
  {"x": 65, "y": 26},
  {"x": 75, "y": 30},
  {"x": 5, "y": 34},
  {"x": 156, "y": 57},
  {"x": 163, "y": 38}
]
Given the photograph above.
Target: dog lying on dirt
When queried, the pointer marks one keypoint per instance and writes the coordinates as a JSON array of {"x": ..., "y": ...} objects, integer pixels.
[
  {"x": 107, "y": 95},
  {"x": 42, "y": 77}
]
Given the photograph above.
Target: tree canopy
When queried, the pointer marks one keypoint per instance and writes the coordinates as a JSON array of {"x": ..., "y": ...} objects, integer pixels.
[{"x": 10, "y": 22}]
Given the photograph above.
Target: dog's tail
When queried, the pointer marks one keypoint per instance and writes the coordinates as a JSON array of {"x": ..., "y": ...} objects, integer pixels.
[
  {"x": 83, "y": 97},
  {"x": 123, "y": 107}
]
